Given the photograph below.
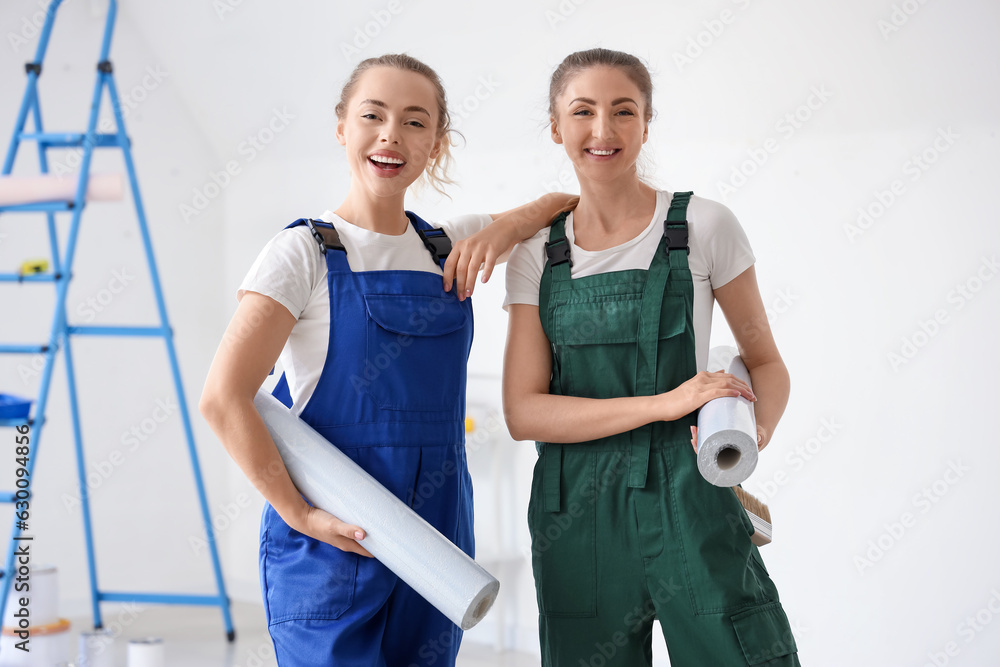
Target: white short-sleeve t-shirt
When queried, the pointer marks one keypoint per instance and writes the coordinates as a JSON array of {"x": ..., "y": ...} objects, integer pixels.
[
  {"x": 292, "y": 271},
  {"x": 720, "y": 251}
]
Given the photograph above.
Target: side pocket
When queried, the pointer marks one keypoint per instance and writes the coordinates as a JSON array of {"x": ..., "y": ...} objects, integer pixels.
[
  {"x": 303, "y": 578},
  {"x": 764, "y": 633},
  {"x": 564, "y": 543}
]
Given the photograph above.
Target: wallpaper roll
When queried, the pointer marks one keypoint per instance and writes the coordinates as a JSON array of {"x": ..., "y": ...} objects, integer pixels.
[
  {"x": 727, "y": 430},
  {"x": 45, "y": 187},
  {"x": 42, "y": 595},
  {"x": 148, "y": 652},
  {"x": 96, "y": 649},
  {"x": 404, "y": 542}
]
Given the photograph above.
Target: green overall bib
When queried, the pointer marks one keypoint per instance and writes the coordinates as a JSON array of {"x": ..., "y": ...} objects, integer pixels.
[{"x": 624, "y": 528}]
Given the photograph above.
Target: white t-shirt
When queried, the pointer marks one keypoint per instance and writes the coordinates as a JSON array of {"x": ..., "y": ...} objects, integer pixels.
[
  {"x": 720, "y": 252},
  {"x": 292, "y": 271}
]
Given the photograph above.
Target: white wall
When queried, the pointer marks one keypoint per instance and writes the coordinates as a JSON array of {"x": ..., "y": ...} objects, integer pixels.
[{"x": 863, "y": 435}]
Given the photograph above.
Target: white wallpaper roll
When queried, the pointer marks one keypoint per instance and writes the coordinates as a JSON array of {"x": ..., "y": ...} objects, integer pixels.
[
  {"x": 96, "y": 649},
  {"x": 148, "y": 652},
  {"x": 42, "y": 596},
  {"x": 34, "y": 189},
  {"x": 727, "y": 430},
  {"x": 404, "y": 542}
]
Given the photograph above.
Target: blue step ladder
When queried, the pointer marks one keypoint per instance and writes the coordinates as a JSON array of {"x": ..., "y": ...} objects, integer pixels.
[{"x": 62, "y": 331}]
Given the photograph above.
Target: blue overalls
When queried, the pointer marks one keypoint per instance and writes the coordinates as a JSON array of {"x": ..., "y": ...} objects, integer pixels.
[{"x": 392, "y": 397}]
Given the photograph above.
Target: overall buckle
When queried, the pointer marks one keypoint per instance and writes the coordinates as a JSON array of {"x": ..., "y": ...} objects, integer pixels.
[
  {"x": 558, "y": 252},
  {"x": 327, "y": 237},
  {"x": 436, "y": 241}
]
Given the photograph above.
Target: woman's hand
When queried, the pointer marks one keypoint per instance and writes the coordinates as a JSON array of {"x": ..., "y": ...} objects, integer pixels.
[
  {"x": 325, "y": 527},
  {"x": 484, "y": 250},
  {"x": 478, "y": 252},
  {"x": 701, "y": 389}
]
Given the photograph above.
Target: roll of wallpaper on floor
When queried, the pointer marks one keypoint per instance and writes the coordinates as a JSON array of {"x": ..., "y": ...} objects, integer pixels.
[
  {"x": 32, "y": 189},
  {"x": 96, "y": 649},
  {"x": 43, "y": 600},
  {"x": 148, "y": 652},
  {"x": 396, "y": 535},
  {"x": 46, "y": 645},
  {"x": 727, "y": 430}
]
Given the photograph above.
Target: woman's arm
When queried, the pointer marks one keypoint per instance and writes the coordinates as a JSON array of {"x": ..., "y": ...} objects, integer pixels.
[
  {"x": 249, "y": 348},
  {"x": 741, "y": 304},
  {"x": 491, "y": 246},
  {"x": 532, "y": 413}
]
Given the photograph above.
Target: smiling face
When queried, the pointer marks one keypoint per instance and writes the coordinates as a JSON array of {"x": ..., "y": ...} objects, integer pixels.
[
  {"x": 601, "y": 120},
  {"x": 389, "y": 129}
]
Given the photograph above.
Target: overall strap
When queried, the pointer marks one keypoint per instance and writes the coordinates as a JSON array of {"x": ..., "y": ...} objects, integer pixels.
[
  {"x": 435, "y": 239},
  {"x": 329, "y": 243},
  {"x": 672, "y": 253},
  {"x": 557, "y": 265},
  {"x": 557, "y": 268}
]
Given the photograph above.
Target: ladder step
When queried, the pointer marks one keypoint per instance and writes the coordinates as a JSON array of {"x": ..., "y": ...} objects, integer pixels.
[
  {"x": 7, "y": 497},
  {"x": 28, "y": 278},
  {"x": 23, "y": 349},
  {"x": 69, "y": 139},
  {"x": 162, "y": 598},
  {"x": 118, "y": 331},
  {"x": 38, "y": 207}
]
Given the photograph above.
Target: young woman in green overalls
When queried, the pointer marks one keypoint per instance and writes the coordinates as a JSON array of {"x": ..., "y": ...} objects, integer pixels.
[{"x": 610, "y": 312}]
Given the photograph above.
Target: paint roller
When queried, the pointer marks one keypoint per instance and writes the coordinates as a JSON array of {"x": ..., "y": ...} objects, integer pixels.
[
  {"x": 394, "y": 534},
  {"x": 15, "y": 190}
]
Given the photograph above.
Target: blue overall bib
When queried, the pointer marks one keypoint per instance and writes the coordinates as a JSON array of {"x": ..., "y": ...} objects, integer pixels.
[{"x": 392, "y": 397}]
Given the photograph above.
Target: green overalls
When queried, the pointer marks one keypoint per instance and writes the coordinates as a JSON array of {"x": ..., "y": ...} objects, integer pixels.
[{"x": 624, "y": 528}]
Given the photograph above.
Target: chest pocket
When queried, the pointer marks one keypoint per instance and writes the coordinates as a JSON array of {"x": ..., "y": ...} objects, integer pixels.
[
  {"x": 416, "y": 351},
  {"x": 594, "y": 343}
]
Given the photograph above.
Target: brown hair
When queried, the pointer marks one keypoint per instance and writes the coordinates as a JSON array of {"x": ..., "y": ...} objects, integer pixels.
[
  {"x": 574, "y": 63},
  {"x": 437, "y": 171}
]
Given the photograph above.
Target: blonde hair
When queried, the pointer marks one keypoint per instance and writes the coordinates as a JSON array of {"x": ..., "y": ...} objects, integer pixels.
[{"x": 437, "y": 170}]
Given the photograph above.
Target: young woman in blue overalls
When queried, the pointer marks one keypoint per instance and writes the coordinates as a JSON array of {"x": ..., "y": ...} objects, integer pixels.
[
  {"x": 373, "y": 337},
  {"x": 607, "y": 348}
]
